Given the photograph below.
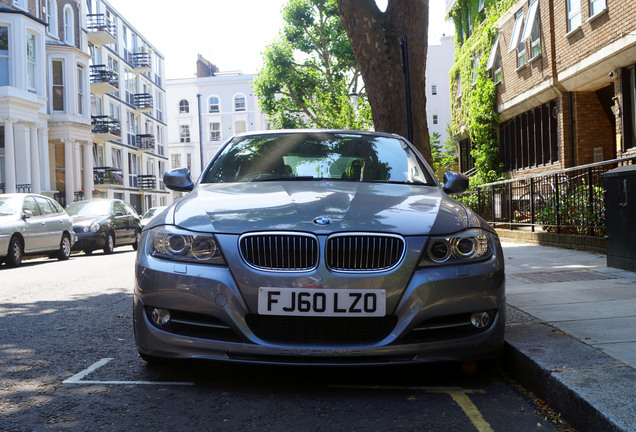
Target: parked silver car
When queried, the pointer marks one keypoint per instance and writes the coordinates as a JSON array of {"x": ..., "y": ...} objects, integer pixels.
[
  {"x": 318, "y": 247},
  {"x": 150, "y": 213},
  {"x": 32, "y": 224}
]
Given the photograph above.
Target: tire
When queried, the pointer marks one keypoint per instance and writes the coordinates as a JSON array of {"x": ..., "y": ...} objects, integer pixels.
[
  {"x": 137, "y": 238},
  {"x": 16, "y": 252},
  {"x": 109, "y": 246},
  {"x": 65, "y": 248}
]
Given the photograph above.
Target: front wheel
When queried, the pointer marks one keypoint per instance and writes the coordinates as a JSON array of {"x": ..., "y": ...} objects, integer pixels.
[
  {"x": 65, "y": 248},
  {"x": 109, "y": 246},
  {"x": 16, "y": 252}
]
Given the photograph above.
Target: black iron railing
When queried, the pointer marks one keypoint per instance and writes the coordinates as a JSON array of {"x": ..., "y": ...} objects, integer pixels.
[
  {"x": 140, "y": 60},
  {"x": 142, "y": 101},
  {"x": 147, "y": 182},
  {"x": 569, "y": 201},
  {"x": 108, "y": 176},
  {"x": 100, "y": 22},
  {"x": 145, "y": 142},
  {"x": 106, "y": 125},
  {"x": 103, "y": 74}
]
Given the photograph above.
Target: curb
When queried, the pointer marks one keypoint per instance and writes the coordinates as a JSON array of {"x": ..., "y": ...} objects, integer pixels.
[{"x": 590, "y": 389}]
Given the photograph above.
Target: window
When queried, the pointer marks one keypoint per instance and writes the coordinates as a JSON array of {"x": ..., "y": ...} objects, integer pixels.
[
  {"x": 176, "y": 161},
  {"x": 573, "y": 8},
  {"x": 69, "y": 29},
  {"x": 530, "y": 139},
  {"x": 240, "y": 126},
  {"x": 516, "y": 32},
  {"x": 481, "y": 5},
  {"x": 22, "y": 4},
  {"x": 215, "y": 131},
  {"x": 494, "y": 62},
  {"x": 213, "y": 104},
  {"x": 239, "y": 103},
  {"x": 184, "y": 133},
  {"x": 597, "y": 6},
  {"x": 159, "y": 105},
  {"x": 435, "y": 121},
  {"x": 31, "y": 62},
  {"x": 51, "y": 17},
  {"x": 116, "y": 153},
  {"x": 470, "y": 23},
  {"x": 184, "y": 106},
  {"x": 434, "y": 89},
  {"x": 628, "y": 86},
  {"x": 80, "y": 89},
  {"x": 532, "y": 29},
  {"x": 189, "y": 161},
  {"x": 58, "y": 85},
  {"x": 4, "y": 56},
  {"x": 476, "y": 68}
]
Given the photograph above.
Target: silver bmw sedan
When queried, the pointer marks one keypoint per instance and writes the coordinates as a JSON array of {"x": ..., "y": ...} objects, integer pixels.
[{"x": 318, "y": 247}]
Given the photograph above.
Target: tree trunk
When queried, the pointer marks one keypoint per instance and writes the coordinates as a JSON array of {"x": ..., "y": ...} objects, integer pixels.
[{"x": 375, "y": 37}]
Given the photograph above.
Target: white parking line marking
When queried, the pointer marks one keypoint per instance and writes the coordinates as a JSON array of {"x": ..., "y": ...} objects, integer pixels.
[{"x": 79, "y": 378}]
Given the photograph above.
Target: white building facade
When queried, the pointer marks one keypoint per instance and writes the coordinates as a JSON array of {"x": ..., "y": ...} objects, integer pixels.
[
  {"x": 204, "y": 112},
  {"x": 439, "y": 61},
  {"x": 81, "y": 104}
]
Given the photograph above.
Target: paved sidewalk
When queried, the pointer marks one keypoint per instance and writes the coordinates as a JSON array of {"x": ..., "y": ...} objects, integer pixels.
[{"x": 571, "y": 334}]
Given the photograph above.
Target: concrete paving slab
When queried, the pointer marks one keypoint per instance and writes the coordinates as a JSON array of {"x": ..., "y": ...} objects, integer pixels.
[
  {"x": 577, "y": 311},
  {"x": 623, "y": 351},
  {"x": 547, "y": 297},
  {"x": 608, "y": 330}
]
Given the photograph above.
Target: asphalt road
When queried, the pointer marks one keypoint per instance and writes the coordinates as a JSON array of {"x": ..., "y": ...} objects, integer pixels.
[{"x": 68, "y": 362}]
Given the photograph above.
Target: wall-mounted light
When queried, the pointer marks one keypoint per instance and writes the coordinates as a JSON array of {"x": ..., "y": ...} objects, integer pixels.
[{"x": 616, "y": 108}]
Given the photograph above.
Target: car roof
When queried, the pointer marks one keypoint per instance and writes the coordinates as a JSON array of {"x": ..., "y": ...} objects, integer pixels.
[{"x": 315, "y": 131}]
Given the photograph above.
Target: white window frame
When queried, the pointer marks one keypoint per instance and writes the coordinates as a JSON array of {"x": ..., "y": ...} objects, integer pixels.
[
  {"x": 61, "y": 85},
  {"x": 32, "y": 62},
  {"x": 81, "y": 88},
  {"x": 218, "y": 104},
  {"x": 494, "y": 62},
  {"x": 68, "y": 17},
  {"x": 516, "y": 32},
  {"x": 237, "y": 107},
  {"x": 573, "y": 11},
  {"x": 597, "y": 7},
  {"x": 51, "y": 18},
  {"x": 22, "y": 4},
  {"x": 184, "y": 133},
  {"x": 481, "y": 6},
  {"x": 184, "y": 106},
  {"x": 435, "y": 119},
  {"x": 434, "y": 89},
  {"x": 215, "y": 131},
  {"x": 236, "y": 128},
  {"x": 5, "y": 57}
]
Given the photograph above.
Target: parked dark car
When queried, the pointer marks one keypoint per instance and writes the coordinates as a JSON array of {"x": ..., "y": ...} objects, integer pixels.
[
  {"x": 32, "y": 224},
  {"x": 323, "y": 248},
  {"x": 104, "y": 224}
]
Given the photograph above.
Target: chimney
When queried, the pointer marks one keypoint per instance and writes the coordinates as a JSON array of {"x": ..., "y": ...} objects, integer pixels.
[{"x": 205, "y": 68}]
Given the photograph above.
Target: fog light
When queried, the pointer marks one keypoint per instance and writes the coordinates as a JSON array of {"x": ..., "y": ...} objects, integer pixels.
[
  {"x": 160, "y": 316},
  {"x": 480, "y": 319}
]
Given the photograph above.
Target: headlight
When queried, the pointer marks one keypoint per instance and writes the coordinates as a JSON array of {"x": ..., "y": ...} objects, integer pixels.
[
  {"x": 95, "y": 227},
  {"x": 173, "y": 243},
  {"x": 464, "y": 247}
]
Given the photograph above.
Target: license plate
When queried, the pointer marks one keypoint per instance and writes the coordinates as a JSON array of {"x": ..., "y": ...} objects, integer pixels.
[{"x": 326, "y": 302}]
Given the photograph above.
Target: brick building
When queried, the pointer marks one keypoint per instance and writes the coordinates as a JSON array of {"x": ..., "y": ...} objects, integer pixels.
[{"x": 565, "y": 74}]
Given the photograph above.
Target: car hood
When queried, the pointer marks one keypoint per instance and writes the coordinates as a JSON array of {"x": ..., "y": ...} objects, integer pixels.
[
  {"x": 236, "y": 208},
  {"x": 86, "y": 220}
]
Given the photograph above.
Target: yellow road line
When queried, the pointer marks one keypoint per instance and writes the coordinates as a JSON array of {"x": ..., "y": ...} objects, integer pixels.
[{"x": 469, "y": 408}]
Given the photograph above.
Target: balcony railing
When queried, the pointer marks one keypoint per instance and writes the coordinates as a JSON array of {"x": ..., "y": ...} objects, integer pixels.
[
  {"x": 106, "y": 128},
  {"x": 143, "y": 102},
  {"x": 103, "y": 79},
  {"x": 108, "y": 176},
  {"x": 145, "y": 142},
  {"x": 60, "y": 197},
  {"x": 141, "y": 61},
  {"x": 569, "y": 201},
  {"x": 100, "y": 29},
  {"x": 147, "y": 182}
]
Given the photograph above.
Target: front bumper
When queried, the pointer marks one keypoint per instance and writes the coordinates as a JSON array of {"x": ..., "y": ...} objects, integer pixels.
[
  {"x": 89, "y": 241},
  {"x": 208, "y": 298}
]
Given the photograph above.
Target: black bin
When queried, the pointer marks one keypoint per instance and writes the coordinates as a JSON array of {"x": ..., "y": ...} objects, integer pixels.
[{"x": 620, "y": 217}]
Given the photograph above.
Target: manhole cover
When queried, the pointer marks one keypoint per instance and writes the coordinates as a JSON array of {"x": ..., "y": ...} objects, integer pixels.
[{"x": 560, "y": 276}]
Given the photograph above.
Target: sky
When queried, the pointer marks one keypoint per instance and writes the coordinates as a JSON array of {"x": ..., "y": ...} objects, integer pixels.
[{"x": 232, "y": 34}]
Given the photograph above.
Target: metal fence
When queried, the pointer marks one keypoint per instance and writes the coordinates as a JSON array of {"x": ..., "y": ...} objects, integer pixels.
[{"x": 569, "y": 201}]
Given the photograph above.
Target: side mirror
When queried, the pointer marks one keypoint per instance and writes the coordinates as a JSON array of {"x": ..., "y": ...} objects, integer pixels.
[
  {"x": 178, "y": 180},
  {"x": 455, "y": 182},
  {"x": 119, "y": 213},
  {"x": 27, "y": 214}
]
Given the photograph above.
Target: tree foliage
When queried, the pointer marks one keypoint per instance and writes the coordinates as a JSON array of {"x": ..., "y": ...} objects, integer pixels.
[{"x": 309, "y": 72}]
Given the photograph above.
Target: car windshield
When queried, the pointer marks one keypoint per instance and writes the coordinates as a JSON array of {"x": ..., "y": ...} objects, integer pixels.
[
  {"x": 150, "y": 213},
  {"x": 309, "y": 156},
  {"x": 89, "y": 208},
  {"x": 9, "y": 206}
]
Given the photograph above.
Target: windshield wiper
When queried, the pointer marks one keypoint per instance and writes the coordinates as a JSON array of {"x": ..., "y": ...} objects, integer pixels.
[{"x": 418, "y": 183}]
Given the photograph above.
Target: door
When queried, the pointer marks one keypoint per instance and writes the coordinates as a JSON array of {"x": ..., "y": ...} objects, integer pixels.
[
  {"x": 121, "y": 223},
  {"x": 53, "y": 224},
  {"x": 34, "y": 229}
]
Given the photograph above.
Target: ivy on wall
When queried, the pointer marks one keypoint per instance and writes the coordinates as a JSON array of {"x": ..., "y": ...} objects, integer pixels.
[{"x": 474, "y": 109}]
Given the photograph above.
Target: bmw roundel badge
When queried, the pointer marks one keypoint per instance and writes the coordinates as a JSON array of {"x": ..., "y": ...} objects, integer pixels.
[{"x": 322, "y": 221}]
